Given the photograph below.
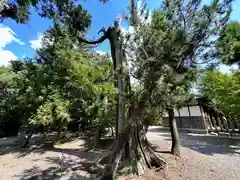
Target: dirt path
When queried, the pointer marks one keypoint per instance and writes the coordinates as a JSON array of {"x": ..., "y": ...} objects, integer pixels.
[{"x": 203, "y": 158}]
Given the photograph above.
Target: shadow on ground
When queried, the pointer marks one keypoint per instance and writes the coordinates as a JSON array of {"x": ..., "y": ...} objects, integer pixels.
[
  {"x": 13, "y": 144},
  {"x": 71, "y": 163},
  {"x": 75, "y": 159},
  {"x": 38, "y": 145},
  {"x": 62, "y": 168},
  {"x": 202, "y": 143}
]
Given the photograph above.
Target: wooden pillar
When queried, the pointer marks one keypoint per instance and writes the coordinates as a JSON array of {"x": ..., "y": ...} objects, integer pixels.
[
  {"x": 209, "y": 120},
  {"x": 220, "y": 123},
  {"x": 202, "y": 115},
  {"x": 213, "y": 121}
]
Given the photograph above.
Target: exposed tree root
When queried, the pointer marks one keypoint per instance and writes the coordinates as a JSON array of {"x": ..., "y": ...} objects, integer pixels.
[
  {"x": 141, "y": 156},
  {"x": 106, "y": 158}
]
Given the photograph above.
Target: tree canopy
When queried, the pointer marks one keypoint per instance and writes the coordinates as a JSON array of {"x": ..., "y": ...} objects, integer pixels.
[
  {"x": 223, "y": 92},
  {"x": 19, "y": 10},
  {"x": 59, "y": 85},
  {"x": 228, "y": 45}
]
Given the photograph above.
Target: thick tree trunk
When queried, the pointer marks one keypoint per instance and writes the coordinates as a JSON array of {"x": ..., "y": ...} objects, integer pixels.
[
  {"x": 141, "y": 156},
  {"x": 120, "y": 92},
  {"x": 117, "y": 57},
  {"x": 28, "y": 138},
  {"x": 174, "y": 133},
  {"x": 97, "y": 137}
]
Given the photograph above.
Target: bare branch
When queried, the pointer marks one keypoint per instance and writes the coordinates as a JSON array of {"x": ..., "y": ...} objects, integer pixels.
[
  {"x": 182, "y": 16},
  {"x": 100, "y": 40},
  {"x": 97, "y": 41}
]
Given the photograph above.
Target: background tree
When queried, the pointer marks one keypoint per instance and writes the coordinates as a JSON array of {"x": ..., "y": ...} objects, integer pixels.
[
  {"x": 9, "y": 122},
  {"x": 19, "y": 10},
  {"x": 228, "y": 45},
  {"x": 223, "y": 92},
  {"x": 64, "y": 78}
]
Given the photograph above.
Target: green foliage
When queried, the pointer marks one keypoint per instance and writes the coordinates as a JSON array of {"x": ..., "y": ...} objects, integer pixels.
[
  {"x": 9, "y": 123},
  {"x": 228, "y": 45},
  {"x": 83, "y": 77},
  {"x": 54, "y": 110},
  {"x": 18, "y": 10},
  {"x": 169, "y": 48},
  {"x": 67, "y": 82},
  {"x": 164, "y": 53},
  {"x": 223, "y": 91},
  {"x": 61, "y": 86}
]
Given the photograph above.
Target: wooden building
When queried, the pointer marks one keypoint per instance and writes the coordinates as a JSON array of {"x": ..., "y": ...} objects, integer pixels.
[
  {"x": 190, "y": 118},
  {"x": 198, "y": 117}
]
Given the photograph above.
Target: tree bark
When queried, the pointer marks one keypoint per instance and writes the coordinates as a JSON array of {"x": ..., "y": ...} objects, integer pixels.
[
  {"x": 141, "y": 156},
  {"x": 28, "y": 138},
  {"x": 175, "y": 149},
  {"x": 117, "y": 57},
  {"x": 97, "y": 137}
]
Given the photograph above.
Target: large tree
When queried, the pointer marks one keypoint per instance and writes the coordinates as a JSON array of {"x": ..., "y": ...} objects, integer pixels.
[
  {"x": 188, "y": 26},
  {"x": 173, "y": 89},
  {"x": 183, "y": 38}
]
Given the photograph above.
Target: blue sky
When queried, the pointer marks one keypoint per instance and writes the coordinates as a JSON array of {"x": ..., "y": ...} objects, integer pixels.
[{"x": 19, "y": 41}]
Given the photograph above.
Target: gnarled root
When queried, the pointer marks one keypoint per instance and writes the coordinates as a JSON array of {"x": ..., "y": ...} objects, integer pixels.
[{"x": 141, "y": 157}]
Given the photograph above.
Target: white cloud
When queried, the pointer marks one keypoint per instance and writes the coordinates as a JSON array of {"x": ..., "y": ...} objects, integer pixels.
[
  {"x": 227, "y": 69},
  {"x": 7, "y": 36},
  {"x": 102, "y": 53},
  {"x": 37, "y": 43},
  {"x": 6, "y": 56}
]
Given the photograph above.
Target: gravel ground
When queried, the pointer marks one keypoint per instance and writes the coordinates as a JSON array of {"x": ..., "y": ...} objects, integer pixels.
[{"x": 202, "y": 158}]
